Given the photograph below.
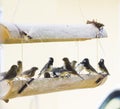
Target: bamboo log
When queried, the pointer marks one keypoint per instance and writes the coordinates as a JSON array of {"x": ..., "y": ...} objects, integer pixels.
[
  {"x": 46, "y": 85},
  {"x": 11, "y": 33}
]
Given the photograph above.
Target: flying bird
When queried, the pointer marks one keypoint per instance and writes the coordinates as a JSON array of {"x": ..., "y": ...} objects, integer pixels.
[
  {"x": 88, "y": 67},
  {"x": 29, "y": 73},
  {"x": 11, "y": 74},
  {"x": 102, "y": 67},
  {"x": 68, "y": 67},
  {"x": 47, "y": 67}
]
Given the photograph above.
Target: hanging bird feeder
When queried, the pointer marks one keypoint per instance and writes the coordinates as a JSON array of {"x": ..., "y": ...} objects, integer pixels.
[{"x": 16, "y": 33}]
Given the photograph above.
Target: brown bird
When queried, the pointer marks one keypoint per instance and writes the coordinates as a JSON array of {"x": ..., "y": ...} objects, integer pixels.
[
  {"x": 11, "y": 74},
  {"x": 29, "y": 73},
  {"x": 73, "y": 63},
  {"x": 47, "y": 75},
  {"x": 68, "y": 67},
  {"x": 20, "y": 68},
  {"x": 95, "y": 23}
]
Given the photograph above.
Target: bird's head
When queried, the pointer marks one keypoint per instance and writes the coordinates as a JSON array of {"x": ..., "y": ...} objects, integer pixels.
[
  {"x": 19, "y": 62},
  {"x": 102, "y": 60},
  {"x": 74, "y": 61},
  {"x": 14, "y": 67},
  {"x": 86, "y": 60},
  {"x": 51, "y": 59},
  {"x": 34, "y": 68},
  {"x": 65, "y": 59}
]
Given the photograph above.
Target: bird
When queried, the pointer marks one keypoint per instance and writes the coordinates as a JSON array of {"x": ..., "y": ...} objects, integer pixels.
[
  {"x": 47, "y": 67},
  {"x": 102, "y": 67},
  {"x": 68, "y": 67},
  {"x": 95, "y": 23},
  {"x": 65, "y": 74},
  {"x": 10, "y": 74},
  {"x": 73, "y": 63},
  {"x": 79, "y": 67},
  {"x": 20, "y": 67},
  {"x": 29, "y": 73},
  {"x": 88, "y": 67},
  {"x": 47, "y": 75},
  {"x": 60, "y": 72}
]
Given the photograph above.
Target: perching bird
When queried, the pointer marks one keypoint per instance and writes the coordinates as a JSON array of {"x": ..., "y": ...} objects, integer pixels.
[
  {"x": 68, "y": 67},
  {"x": 20, "y": 68},
  {"x": 11, "y": 74},
  {"x": 47, "y": 75},
  {"x": 73, "y": 63},
  {"x": 65, "y": 74},
  {"x": 95, "y": 23},
  {"x": 102, "y": 67},
  {"x": 88, "y": 67},
  {"x": 60, "y": 72},
  {"x": 29, "y": 73},
  {"x": 79, "y": 67},
  {"x": 47, "y": 67}
]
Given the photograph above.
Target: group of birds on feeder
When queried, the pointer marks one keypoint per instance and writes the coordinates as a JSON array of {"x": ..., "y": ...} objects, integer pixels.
[{"x": 65, "y": 71}]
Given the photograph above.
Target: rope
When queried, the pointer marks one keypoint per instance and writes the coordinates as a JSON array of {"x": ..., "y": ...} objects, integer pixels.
[
  {"x": 77, "y": 42},
  {"x": 98, "y": 44},
  {"x": 17, "y": 5},
  {"x": 15, "y": 10},
  {"x": 97, "y": 51},
  {"x": 82, "y": 14}
]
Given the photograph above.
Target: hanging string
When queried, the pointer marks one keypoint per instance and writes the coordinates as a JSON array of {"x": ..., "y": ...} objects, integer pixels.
[
  {"x": 84, "y": 19},
  {"x": 22, "y": 39},
  {"x": 97, "y": 52},
  {"x": 17, "y": 5},
  {"x": 15, "y": 10},
  {"x": 99, "y": 45},
  {"x": 83, "y": 16}
]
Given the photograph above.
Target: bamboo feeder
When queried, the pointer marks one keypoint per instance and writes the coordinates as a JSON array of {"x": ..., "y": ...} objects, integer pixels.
[
  {"x": 11, "y": 33},
  {"x": 10, "y": 90}
]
